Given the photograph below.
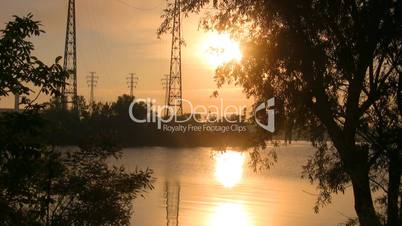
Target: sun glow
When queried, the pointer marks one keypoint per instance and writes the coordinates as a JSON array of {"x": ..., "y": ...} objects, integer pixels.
[
  {"x": 229, "y": 168},
  {"x": 220, "y": 48},
  {"x": 230, "y": 214}
]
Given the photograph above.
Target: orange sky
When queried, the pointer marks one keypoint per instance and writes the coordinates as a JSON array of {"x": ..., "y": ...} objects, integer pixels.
[{"x": 116, "y": 37}]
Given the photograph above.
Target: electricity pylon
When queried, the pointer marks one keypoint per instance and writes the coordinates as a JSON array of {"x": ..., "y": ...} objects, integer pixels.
[
  {"x": 175, "y": 76},
  {"x": 165, "y": 85},
  {"x": 70, "y": 58},
  {"x": 132, "y": 82},
  {"x": 92, "y": 81}
]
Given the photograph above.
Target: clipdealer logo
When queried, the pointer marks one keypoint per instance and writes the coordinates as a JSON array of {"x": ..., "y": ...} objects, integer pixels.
[
  {"x": 270, "y": 126},
  {"x": 220, "y": 113}
]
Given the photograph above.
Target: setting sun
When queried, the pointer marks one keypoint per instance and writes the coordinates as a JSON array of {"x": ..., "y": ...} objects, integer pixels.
[
  {"x": 200, "y": 113},
  {"x": 220, "y": 48}
]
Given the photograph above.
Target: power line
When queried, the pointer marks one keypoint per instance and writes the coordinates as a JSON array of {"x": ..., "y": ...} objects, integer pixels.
[
  {"x": 136, "y": 7},
  {"x": 101, "y": 46}
]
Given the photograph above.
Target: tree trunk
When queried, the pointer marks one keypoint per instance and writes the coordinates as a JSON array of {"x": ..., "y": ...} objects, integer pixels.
[
  {"x": 363, "y": 200},
  {"x": 393, "y": 188},
  {"x": 357, "y": 166},
  {"x": 399, "y": 95},
  {"x": 289, "y": 124},
  {"x": 400, "y": 209}
]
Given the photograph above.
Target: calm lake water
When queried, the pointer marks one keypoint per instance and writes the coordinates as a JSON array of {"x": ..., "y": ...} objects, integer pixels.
[{"x": 200, "y": 187}]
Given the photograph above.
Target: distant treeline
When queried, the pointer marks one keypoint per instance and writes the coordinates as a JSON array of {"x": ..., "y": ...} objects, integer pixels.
[
  {"x": 73, "y": 126},
  {"x": 112, "y": 120}
]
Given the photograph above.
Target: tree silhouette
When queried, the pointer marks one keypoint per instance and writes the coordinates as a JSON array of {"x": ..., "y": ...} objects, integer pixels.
[
  {"x": 19, "y": 68},
  {"x": 336, "y": 65},
  {"x": 39, "y": 183}
]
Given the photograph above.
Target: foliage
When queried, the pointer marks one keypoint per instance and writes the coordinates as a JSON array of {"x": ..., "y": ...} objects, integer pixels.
[
  {"x": 335, "y": 67},
  {"x": 39, "y": 183},
  {"x": 19, "y": 69}
]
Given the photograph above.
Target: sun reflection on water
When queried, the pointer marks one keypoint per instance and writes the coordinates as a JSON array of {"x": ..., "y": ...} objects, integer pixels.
[
  {"x": 230, "y": 214},
  {"x": 229, "y": 168}
]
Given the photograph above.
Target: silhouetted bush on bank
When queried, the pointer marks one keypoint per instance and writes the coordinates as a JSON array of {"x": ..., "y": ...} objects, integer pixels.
[{"x": 40, "y": 185}]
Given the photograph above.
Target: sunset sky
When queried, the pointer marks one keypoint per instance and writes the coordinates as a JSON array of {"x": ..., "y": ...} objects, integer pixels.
[{"x": 116, "y": 37}]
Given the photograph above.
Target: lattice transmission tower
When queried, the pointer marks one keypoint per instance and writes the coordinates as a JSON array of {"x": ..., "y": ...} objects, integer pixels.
[
  {"x": 175, "y": 76},
  {"x": 165, "y": 85},
  {"x": 92, "y": 81},
  {"x": 132, "y": 82},
  {"x": 70, "y": 58}
]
